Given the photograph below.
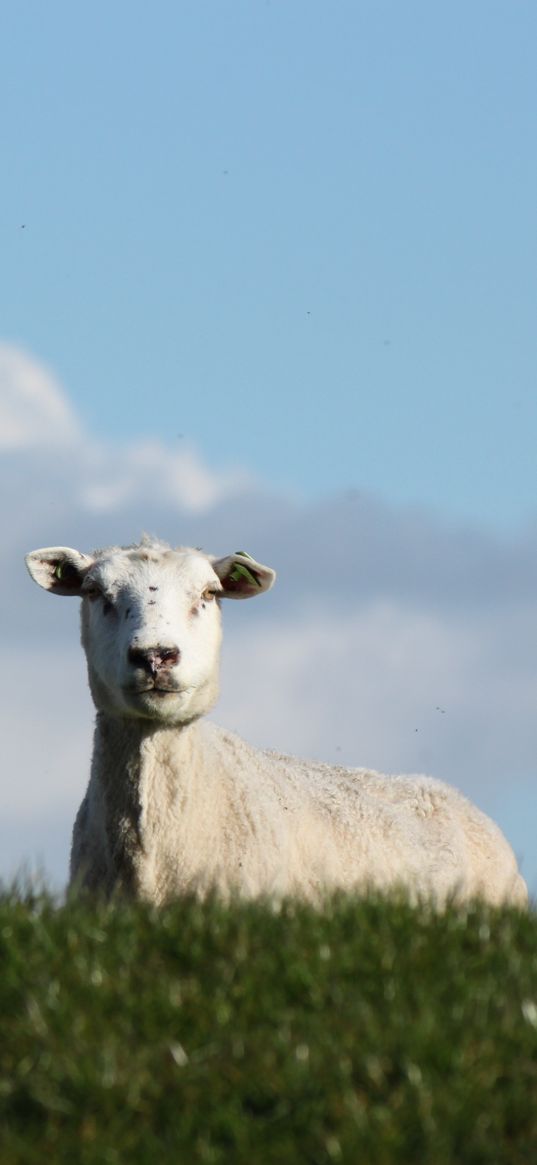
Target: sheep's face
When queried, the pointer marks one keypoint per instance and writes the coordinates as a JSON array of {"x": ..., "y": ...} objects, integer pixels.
[
  {"x": 151, "y": 631},
  {"x": 151, "y": 625}
]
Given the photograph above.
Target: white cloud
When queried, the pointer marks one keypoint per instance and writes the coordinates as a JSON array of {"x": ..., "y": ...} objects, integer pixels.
[
  {"x": 112, "y": 479},
  {"x": 33, "y": 408},
  {"x": 35, "y": 414}
]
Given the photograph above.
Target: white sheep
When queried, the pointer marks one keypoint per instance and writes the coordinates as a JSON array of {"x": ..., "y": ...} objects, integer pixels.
[{"x": 176, "y": 805}]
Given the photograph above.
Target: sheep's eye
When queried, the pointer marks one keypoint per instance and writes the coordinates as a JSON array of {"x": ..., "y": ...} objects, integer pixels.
[
  {"x": 209, "y": 594},
  {"x": 93, "y": 593}
]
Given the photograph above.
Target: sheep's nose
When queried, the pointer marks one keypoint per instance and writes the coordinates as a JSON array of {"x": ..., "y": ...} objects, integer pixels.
[{"x": 154, "y": 659}]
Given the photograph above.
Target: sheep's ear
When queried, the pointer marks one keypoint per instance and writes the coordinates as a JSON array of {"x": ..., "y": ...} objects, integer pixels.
[
  {"x": 241, "y": 576},
  {"x": 58, "y": 569}
]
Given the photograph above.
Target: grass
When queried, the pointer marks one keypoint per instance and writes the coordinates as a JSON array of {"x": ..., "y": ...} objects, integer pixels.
[{"x": 369, "y": 1032}]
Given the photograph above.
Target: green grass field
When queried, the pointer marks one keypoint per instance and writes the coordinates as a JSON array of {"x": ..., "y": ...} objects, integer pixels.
[{"x": 371, "y": 1032}]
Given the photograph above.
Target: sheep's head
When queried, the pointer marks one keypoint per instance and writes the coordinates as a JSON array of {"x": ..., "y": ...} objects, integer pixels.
[{"x": 151, "y": 622}]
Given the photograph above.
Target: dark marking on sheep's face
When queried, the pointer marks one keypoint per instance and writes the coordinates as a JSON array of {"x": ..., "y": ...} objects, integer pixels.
[{"x": 153, "y": 588}]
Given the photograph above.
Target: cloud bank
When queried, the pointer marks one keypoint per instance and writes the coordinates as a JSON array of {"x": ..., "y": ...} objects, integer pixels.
[
  {"x": 393, "y": 639},
  {"x": 33, "y": 409}
]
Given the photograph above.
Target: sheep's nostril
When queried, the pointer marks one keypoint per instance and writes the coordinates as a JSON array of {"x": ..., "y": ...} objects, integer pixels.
[
  {"x": 169, "y": 657},
  {"x": 153, "y": 659},
  {"x": 141, "y": 660}
]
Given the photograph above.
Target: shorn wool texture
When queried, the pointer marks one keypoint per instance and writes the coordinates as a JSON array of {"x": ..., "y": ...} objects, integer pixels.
[{"x": 176, "y": 805}]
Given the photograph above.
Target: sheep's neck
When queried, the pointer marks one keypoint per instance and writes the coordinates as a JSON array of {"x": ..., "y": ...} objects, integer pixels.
[{"x": 144, "y": 773}]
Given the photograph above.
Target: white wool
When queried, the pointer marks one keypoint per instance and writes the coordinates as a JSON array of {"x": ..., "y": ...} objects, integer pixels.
[{"x": 176, "y": 805}]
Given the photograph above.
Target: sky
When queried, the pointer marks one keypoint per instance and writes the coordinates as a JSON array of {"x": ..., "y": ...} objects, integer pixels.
[{"x": 267, "y": 280}]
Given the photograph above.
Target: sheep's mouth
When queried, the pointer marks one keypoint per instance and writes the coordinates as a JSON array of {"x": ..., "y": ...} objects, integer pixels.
[
  {"x": 158, "y": 703},
  {"x": 154, "y": 690}
]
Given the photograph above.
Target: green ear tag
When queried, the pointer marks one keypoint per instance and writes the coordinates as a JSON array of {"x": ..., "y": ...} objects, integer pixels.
[
  {"x": 58, "y": 571},
  {"x": 241, "y": 572}
]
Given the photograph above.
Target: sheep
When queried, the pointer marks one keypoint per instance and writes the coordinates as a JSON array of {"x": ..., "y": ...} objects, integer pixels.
[{"x": 176, "y": 805}]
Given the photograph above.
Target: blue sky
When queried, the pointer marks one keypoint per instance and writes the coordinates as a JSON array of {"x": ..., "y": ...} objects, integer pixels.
[
  {"x": 267, "y": 280},
  {"x": 300, "y": 235}
]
